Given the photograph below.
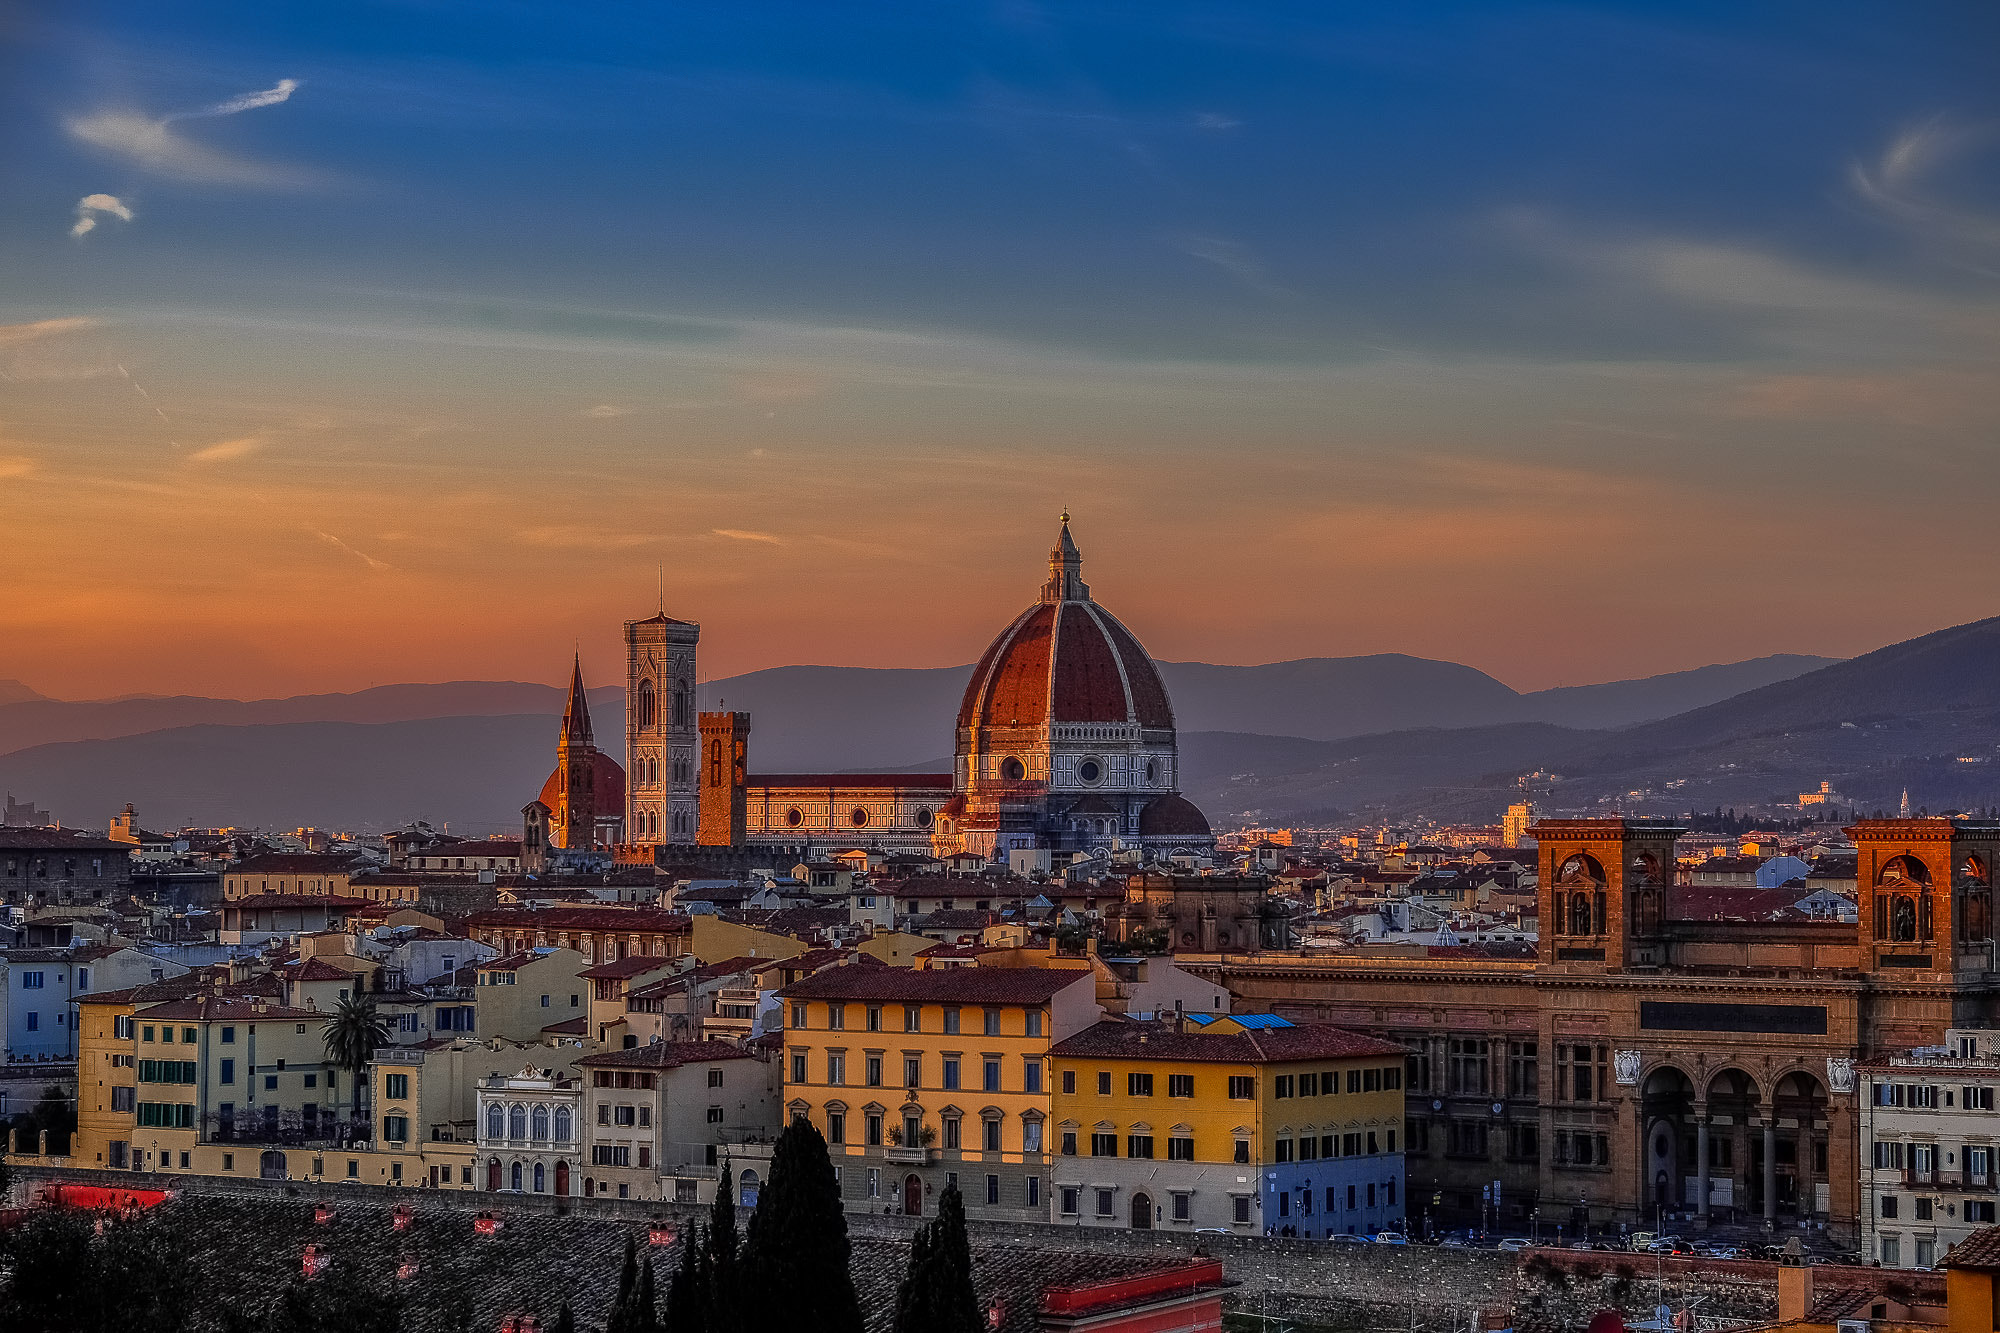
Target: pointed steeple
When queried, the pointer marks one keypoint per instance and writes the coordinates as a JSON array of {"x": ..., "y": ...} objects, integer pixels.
[
  {"x": 1065, "y": 579},
  {"x": 576, "y": 715}
]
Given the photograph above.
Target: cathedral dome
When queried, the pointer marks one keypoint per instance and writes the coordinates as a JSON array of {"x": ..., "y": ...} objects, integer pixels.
[
  {"x": 1172, "y": 817},
  {"x": 1065, "y": 659}
]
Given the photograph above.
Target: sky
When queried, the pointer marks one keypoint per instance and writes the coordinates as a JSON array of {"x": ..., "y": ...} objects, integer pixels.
[{"x": 347, "y": 344}]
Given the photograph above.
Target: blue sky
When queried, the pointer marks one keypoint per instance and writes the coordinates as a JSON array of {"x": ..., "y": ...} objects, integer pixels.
[{"x": 1355, "y": 321}]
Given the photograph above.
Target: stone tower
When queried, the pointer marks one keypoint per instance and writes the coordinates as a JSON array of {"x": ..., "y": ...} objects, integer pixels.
[
  {"x": 661, "y": 805},
  {"x": 1601, "y": 890},
  {"x": 725, "y": 767},
  {"x": 574, "y": 825}
]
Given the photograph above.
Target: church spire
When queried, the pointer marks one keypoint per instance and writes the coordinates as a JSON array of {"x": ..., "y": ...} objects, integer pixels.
[
  {"x": 1065, "y": 564},
  {"x": 576, "y": 715}
]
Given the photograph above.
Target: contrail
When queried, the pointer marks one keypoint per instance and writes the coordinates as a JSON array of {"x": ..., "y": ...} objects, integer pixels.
[
  {"x": 142, "y": 393},
  {"x": 247, "y": 102}
]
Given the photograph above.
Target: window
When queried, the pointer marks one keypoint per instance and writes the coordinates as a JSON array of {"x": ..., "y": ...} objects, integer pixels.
[
  {"x": 1979, "y": 1210},
  {"x": 951, "y": 1021},
  {"x": 1282, "y": 1151},
  {"x": 951, "y": 1133},
  {"x": 1888, "y": 1205},
  {"x": 1183, "y": 1206},
  {"x": 1034, "y": 1184},
  {"x": 270, "y": 1082},
  {"x": 1978, "y": 1099},
  {"x": 1523, "y": 1070},
  {"x": 1104, "y": 1203},
  {"x": 1069, "y": 1143},
  {"x": 714, "y": 1115},
  {"x": 1104, "y": 1083},
  {"x": 836, "y": 1126},
  {"x": 798, "y": 1066},
  {"x": 992, "y": 1189},
  {"x": 121, "y": 1027},
  {"x": 396, "y": 1128},
  {"x": 1179, "y": 1085},
  {"x": 872, "y": 1127},
  {"x": 564, "y": 1131},
  {"x": 992, "y": 1022},
  {"x": 836, "y": 1016},
  {"x": 992, "y": 1082},
  {"x": 1465, "y": 1138},
  {"x": 1242, "y": 1151},
  {"x": 1031, "y": 1135},
  {"x": 1138, "y": 1085},
  {"x": 31, "y": 981},
  {"x": 1468, "y": 1057},
  {"x": 874, "y": 1018},
  {"x": 396, "y": 1087},
  {"x": 1523, "y": 1143},
  {"x": 798, "y": 1013},
  {"x": 1103, "y": 1145},
  {"x": 123, "y": 1099},
  {"x": 913, "y": 1071},
  {"x": 990, "y": 1136},
  {"x": 836, "y": 1068},
  {"x": 1923, "y": 1203},
  {"x": 950, "y": 1072},
  {"x": 1067, "y": 1200},
  {"x": 1240, "y": 1208},
  {"x": 1242, "y": 1087},
  {"x": 913, "y": 1018},
  {"x": 1139, "y": 1146},
  {"x": 1031, "y": 1076}
]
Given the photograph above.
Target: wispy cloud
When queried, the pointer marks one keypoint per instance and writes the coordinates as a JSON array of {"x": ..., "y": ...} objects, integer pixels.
[
  {"x": 15, "y": 466},
  {"x": 339, "y": 545},
  {"x": 606, "y": 411},
  {"x": 1900, "y": 184},
  {"x": 88, "y": 207},
  {"x": 247, "y": 102},
  {"x": 11, "y": 334},
  {"x": 228, "y": 450},
  {"x": 742, "y": 535},
  {"x": 1216, "y": 121},
  {"x": 1233, "y": 258},
  {"x": 154, "y": 144}
]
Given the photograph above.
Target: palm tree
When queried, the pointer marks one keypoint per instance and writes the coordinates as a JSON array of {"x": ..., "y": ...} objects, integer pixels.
[{"x": 352, "y": 1034}]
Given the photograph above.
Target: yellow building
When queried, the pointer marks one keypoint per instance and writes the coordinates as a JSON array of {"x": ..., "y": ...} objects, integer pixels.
[
  {"x": 1248, "y": 1124},
  {"x": 922, "y": 1079}
]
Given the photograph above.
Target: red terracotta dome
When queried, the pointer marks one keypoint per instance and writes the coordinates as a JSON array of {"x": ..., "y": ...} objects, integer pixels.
[
  {"x": 1065, "y": 659},
  {"x": 606, "y": 777},
  {"x": 1172, "y": 817}
]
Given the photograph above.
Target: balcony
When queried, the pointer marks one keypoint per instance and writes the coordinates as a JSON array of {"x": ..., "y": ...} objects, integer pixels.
[{"x": 917, "y": 1156}]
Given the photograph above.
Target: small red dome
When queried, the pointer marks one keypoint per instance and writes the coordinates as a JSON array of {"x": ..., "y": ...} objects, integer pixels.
[
  {"x": 606, "y": 777},
  {"x": 1065, "y": 661}
]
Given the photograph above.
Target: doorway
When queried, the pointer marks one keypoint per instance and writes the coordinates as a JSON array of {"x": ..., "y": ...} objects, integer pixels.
[
  {"x": 1142, "y": 1212},
  {"x": 913, "y": 1195},
  {"x": 271, "y": 1166}
]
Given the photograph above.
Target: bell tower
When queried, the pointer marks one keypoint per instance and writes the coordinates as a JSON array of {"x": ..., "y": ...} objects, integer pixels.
[
  {"x": 725, "y": 780},
  {"x": 574, "y": 826},
  {"x": 1601, "y": 892},
  {"x": 660, "y": 731}
]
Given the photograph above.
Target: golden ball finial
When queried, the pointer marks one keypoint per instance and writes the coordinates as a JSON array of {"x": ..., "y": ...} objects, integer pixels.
[{"x": 1065, "y": 518}]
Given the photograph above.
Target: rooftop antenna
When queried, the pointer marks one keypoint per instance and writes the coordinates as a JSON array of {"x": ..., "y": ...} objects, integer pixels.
[{"x": 663, "y": 590}]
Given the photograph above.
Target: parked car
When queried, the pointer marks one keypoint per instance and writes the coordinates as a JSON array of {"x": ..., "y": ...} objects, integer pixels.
[
  {"x": 1391, "y": 1238},
  {"x": 1351, "y": 1240},
  {"x": 1641, "y": 1241},
  {"x": 1515, "y": 1244}
]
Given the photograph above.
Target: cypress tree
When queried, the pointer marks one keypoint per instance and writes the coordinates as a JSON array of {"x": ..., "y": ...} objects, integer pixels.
[
  {"x": 955, "y": 1307},
  {"x": 913, "y": 1304},
  {"x": 565, "y": 1320},
  {"x": 724, "y": 1301},
  {"x": 624, "y": 1304},
  {"x": 796, "y": 1250},
  {"x": 687, "y": 1293},
  {"x": 646, "y": 1318}
]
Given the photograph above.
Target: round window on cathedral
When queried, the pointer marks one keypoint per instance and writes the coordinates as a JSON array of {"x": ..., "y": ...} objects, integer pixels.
[
  {"x": 1013, "y": 769},
  {"x": 859, "y": 816},
  {"x": 923, "y": 817},
  {"x": 795, "y": 816},
  {"x": 1089, "y": 770},
  {"x": 1152, "y": 771}
]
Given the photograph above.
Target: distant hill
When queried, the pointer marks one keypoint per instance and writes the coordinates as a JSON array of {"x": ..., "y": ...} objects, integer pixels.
[
  {"x": 1909, "y": 715},
  {"x": 39, "y": 720},
  {"x": 14, "y": 692}
]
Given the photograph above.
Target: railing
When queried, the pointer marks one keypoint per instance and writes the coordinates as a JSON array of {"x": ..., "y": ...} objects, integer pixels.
[{"x": 917, "y": 1156}]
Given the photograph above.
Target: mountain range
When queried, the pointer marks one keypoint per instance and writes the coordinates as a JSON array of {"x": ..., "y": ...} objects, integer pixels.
[{"x": 1281, "y": 741}]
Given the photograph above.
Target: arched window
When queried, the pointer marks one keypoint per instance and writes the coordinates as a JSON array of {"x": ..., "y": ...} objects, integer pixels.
[
  {"x": 541, "y": 1119},
  {"x": 496, "y": 1121},
  {"x": 514, "y": 1178},
  {"x": 562, "y": 1124},
  {"x": 680, "y": 706},
  {"x": 1012, "y": 769},
  {"x": 645, "y": 703},
  {"x": 540, "y": 1179},
  {"x": 517, "y": 1121},
  {"x": 858, "y": 816}
]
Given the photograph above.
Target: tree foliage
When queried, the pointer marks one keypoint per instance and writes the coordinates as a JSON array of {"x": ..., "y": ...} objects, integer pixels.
[
  {"x": 353, "y": 1033},
  {"x": 68, "y": 1275},
  {"x": 937, "y": 1295},
  {"x": 795, "y": 1251}
]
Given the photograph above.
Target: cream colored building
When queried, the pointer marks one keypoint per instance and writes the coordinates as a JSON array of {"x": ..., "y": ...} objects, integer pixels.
[{"x": 661, "y": 1118}]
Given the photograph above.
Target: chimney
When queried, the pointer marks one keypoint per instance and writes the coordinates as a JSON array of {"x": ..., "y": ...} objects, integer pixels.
[{"x": 1795, "y": 1291}]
